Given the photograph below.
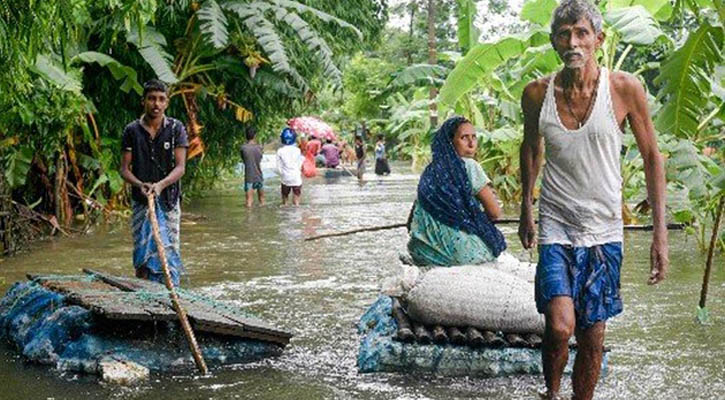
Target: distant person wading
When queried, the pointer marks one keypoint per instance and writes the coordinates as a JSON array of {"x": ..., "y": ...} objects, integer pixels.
[
  {"x": 381, "y": 159},
  {"x": 251, "y": 153}
]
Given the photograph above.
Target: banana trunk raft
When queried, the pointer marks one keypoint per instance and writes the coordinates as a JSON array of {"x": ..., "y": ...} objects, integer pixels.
[
  {"x": 100, "y": 324},
  {"x": 392, "y": 342}
]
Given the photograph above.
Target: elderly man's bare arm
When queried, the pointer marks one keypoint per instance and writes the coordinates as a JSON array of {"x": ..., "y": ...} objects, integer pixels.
[
  {"x": 630, "y": 102},
  {"x": 530, "y": 157}
]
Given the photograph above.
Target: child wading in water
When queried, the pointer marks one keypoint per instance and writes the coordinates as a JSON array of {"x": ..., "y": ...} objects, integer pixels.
[
  {"x": 252, "y": 158},
  {"x": 289, "y": 166}
]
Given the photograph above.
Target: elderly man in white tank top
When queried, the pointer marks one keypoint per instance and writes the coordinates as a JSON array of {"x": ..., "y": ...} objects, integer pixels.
[{"x": 577, "y": 116}]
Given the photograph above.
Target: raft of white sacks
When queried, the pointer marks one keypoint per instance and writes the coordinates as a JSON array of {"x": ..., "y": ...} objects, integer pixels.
[{"x": 477, "y": 320}]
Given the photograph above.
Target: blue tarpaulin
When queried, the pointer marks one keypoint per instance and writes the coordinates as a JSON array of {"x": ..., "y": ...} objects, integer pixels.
[{"x": 46, "y": 329}]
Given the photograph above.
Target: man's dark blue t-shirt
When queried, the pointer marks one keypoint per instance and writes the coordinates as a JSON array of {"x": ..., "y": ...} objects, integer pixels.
[{"x": 153, "y": 159}]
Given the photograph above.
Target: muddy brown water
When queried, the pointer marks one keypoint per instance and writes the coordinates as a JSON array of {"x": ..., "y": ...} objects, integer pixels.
[{"x": 319, "y": 289}]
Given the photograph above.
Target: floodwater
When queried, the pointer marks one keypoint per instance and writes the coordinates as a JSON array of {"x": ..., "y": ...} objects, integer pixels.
[{"x": 318, "y": 289}]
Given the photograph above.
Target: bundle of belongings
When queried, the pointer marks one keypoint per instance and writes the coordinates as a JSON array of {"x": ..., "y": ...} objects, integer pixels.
[{"x": 476, "y": 320}]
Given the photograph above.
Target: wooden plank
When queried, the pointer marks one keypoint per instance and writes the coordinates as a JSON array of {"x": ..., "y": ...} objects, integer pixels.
[
  {"x": 120, "y": 283},
  {"x": 107, "y": 300},
  {"x": 200, "y": 312}
]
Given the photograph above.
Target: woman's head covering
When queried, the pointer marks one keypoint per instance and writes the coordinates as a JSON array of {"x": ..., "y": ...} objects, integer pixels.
[
  {"x": 288, "y": 136},
  {"x": 444, "y": 190}
]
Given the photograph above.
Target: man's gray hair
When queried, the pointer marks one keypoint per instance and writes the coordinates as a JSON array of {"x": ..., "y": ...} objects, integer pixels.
[{"x": 570, "y": 11}]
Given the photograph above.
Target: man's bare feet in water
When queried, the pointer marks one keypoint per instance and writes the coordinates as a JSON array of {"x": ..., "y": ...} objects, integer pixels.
[{"x": 545, "y": 395}]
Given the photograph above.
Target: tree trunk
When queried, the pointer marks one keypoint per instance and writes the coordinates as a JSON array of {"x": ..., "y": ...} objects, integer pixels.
[
  {"x": 193, "y": 127},
  {"x": 6, "y": 232},
  {"x": 63, "y": 212},
  {"x": 409, "y": 55},
  {"x": 432, "y": 60},
  {"x": 710, "y": 250}
]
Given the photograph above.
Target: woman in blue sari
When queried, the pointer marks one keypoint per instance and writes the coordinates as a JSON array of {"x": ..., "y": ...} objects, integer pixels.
[{"x": 447, "y": 224}]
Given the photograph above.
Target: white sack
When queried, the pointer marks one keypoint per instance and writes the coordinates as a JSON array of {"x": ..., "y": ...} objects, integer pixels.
[{"x": 497, "y": 296}]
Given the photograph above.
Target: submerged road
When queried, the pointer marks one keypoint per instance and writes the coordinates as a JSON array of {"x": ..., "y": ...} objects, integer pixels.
[{"x": 257, "y": 258}]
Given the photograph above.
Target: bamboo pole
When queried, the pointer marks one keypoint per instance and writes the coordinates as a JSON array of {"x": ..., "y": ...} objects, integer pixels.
[
  {"x": 710, "y": 250},
  {"x": 180, "y": 312},
  {"x": 497, "y": 222}
]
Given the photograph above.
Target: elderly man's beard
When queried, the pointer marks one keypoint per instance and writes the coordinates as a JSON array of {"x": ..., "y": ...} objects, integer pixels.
[{"x": 574, "y": 59}]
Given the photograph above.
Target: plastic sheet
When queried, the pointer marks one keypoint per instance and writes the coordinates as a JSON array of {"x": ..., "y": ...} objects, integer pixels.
[
  {"x": 380, "y": 353},
  {"x": 48, "y": 330}
]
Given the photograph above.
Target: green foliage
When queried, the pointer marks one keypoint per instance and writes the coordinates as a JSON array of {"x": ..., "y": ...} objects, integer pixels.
[
  {"x": 364, "y": 80},
  {"x": 468, "y": 33},
  {"x": 52, "y": 72},
  {"x": 18, "y": 165},
  {"x": 64, "y": 110},
  {"x": 661, "y": 9},
  {"x": 482, "y": 60},
  {"x": 213, "y": 24},
  {"x": 150, "y": 44},
  {"x": 685, "y": 79},
  {"x": 634, "y": 25},
  {"x": 118, "y": 70},
  {"x": 538, "y": 11},
  {"x": 418, "y": 75}
]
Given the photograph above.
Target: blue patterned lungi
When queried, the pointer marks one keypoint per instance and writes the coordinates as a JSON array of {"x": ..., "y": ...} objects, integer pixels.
[
  {"x": 589, "y": 275},
  {"x": 144, "y": 245}
]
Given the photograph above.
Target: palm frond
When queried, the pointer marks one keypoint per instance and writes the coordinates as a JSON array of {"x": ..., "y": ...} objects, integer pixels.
[
  {"x": 213, "y": 24},
  {"x": 317, "y": 13},
  {"x": 315, "y": 43},
  {"x": 252, "y": 16}
]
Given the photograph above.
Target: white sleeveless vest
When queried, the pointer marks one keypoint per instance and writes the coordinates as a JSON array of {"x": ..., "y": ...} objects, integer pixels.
[{"x": 581, "y": 191}]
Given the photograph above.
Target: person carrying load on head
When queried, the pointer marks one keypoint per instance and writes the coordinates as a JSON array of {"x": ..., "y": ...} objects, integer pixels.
[
  {"x": 153, "y": 159},
  {"x": 447, "y": 224},
  {"x": 577, "y": 117}
]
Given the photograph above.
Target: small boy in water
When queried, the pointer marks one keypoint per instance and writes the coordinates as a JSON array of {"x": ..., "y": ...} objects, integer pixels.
[
  {"x": 252, "y": 158},
  {"x": 289, "y": 166}
]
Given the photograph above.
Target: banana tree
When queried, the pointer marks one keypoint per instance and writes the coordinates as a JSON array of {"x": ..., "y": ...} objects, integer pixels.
[{"x": 250, "y": 30}]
